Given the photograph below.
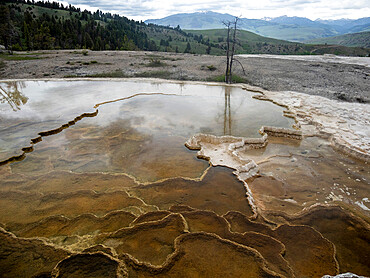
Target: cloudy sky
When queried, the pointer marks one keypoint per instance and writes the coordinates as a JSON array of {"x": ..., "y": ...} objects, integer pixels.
[{"x": 153, "y": 9}]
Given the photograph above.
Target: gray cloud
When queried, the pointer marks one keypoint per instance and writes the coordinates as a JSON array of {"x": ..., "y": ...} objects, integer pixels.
[{"x": 144, "y": 9}]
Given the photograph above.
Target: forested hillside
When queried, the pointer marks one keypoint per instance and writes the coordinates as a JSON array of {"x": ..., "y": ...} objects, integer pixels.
[{"x": 26, "y": 25}]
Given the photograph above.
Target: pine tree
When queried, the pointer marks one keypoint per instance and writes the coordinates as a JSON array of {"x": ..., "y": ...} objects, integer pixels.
[
  {"x": 6, "y": 28},
  {"x": 208, "y": 50},
  {"x": 188, "y": 48},
  {"x": 26, "y": 35}
]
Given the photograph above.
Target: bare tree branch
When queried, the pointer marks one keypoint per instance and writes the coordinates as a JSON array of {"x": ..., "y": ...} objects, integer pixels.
[{"x": 241, "y": 65}]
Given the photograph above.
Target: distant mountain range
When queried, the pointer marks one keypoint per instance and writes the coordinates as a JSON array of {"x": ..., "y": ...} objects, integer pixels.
[{"x": 297, "y": 29}]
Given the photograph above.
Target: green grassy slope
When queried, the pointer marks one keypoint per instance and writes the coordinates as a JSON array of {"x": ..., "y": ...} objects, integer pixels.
[
  {"x": 38, "y": 11},
  {"x": 294, "y": 32},
  {"x": 249, "y": 42},
  {"x": 178, "y": 41},
  {"x": 357, "y": 39}
]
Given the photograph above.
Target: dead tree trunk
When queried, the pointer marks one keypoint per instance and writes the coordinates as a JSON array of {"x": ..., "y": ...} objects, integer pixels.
[
  {"x": 231, "y": 26},
  {"x": 227, "y": 73},
  {"x": 232, "y": 50}
]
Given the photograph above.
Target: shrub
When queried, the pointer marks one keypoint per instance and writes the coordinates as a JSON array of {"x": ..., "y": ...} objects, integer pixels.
[
  {"x": 154, "y": 63},
  {"x": 235, "y": 79},
  {"x": 2, "y": 65},
  {"x": 211, "y": 68},
  {"x": 113, "y": 74}
]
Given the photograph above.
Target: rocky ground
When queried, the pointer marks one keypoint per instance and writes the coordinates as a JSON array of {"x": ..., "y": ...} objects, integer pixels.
[{"x": 333, "y": 78}]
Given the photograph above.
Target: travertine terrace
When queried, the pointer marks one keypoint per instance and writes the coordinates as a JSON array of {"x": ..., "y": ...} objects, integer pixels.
[{"x": 138, "y": 178}]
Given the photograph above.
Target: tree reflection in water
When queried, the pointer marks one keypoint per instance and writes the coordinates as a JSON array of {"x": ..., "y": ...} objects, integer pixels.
[
  {"x": 227, "y": 112},
  {"x": 10, "y": 92}
]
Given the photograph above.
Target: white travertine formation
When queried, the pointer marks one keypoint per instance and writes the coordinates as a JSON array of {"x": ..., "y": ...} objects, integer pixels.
[
  {"x": 224, "y": 151},
  {"x": 281, "y": 132},
  {"x": 326, "y": 58},
  {"x": 344, "y": 275},
  {"x": 346, "y": 125}
]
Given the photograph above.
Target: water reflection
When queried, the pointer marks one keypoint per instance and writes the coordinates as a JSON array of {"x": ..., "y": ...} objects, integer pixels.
[
  {"x": 10, "y": 92},
  {"x": 167, "y": 113},
  {"x": 227, "y": 112}
]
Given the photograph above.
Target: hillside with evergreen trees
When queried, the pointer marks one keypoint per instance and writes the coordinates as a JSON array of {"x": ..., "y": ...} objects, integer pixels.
[{"x": 28, "y": 25}]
